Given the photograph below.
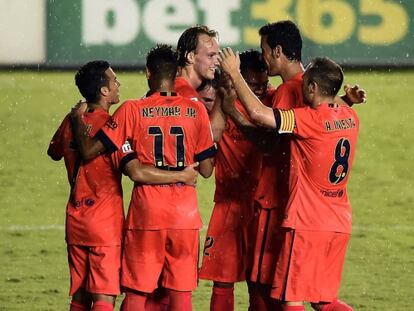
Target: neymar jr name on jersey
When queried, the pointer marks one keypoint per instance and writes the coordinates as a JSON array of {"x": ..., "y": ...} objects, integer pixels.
[{"x": 174, "y": 111}]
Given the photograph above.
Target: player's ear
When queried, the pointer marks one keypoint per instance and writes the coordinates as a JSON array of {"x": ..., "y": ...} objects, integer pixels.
[
  {"x": 147, "y": 73},
  {"x": 277, "y": 51},
  {"x": 104, "y": 90},
  {"x": 190, "y": 57}
]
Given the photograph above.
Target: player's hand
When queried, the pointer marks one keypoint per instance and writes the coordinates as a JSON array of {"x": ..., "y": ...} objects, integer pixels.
[
  {"x": 354, "y": 94},
  {"x": 229, "y": 61},
  {"x": 78, "y": 110},
  {"x": 190, "y": 174}
]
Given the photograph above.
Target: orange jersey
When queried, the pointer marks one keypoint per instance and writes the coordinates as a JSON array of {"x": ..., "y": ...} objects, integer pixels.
[
  {"x": 169, "y": 132},
  {"x": 273, "y": 188},
  {"x": 184, "y": 89},
  {"x": 237, "y": 164},
  {"x": 322, "y": 155},
  {"x": 94, "y": 213}
]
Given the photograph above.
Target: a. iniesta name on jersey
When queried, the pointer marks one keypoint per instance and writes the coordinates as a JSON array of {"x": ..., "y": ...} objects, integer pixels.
[
  {"x": 174, "y": 111},
  {"x": 342, "y": 124}
]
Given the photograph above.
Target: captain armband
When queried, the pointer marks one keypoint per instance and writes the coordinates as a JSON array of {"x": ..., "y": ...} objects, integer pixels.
[{"x": 285, "y": 121}]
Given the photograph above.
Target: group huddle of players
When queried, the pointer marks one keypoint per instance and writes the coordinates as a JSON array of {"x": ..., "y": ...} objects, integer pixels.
[{"x": 281, "y": 219}]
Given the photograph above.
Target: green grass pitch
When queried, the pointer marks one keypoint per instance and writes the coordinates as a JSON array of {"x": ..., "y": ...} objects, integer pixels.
[{"x": 378, "y": 273}]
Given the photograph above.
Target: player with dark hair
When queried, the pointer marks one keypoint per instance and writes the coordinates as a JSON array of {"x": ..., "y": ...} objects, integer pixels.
[
  {"x": 95, "y": 214},
  {"x": 162, "y": 227},
  {"x": 208, "y": 90},
  {"x": 197, "y": 50},
  {"x": 237, "y": 165},
  {"x": 317, "y": 219},
  {"x": 270, "y": 202}
]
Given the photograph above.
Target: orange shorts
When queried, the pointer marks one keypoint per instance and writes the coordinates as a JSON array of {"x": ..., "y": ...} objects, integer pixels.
[
  {"x": 160, "y": 257},
  {"x": 225, "y": 256},
  {"x": 94, "y": 268},
  {"x": 310, "y": 266},
  {"x": 267, "y": 245}
]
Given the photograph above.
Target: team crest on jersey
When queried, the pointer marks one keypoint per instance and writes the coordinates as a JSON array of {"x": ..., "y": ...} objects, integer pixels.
[
  {"x": 111, "y": 124},
  {"x": 126, "y": 147}
]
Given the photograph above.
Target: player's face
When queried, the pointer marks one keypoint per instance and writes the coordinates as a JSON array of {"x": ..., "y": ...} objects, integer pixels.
[
  {"x": 206, "y": 57},
  {"x": 113, "y": 86},
  {"x": 209, "y": 95},
  {"x": 257, "y": 81},
  {"x": 268, "y": 57}
]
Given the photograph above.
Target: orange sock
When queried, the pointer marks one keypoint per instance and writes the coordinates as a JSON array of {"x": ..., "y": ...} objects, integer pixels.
[
  {"x": 133, "y": 301},
  {"x": 337, "y": 305},
  {"x": 77, "y": 306},
  {"x": 293, "y": 308},
  {"x": 222, "y": 298},
  {"x": 102, "y": 306},
  {"x": 179, "y": 301}
]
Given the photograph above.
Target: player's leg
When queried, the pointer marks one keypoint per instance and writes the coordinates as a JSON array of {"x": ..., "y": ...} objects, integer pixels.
[
  {"x": 259, "y": 298},
  {"x": 336, "y": 305},
  {"x": 133, "y": 301},
  {"x": 103, "y": 302},
  {"x": 158, "y": 300},
  {"x": 225, "y": 251},
  {"x": 180, "y": 272},
  {"x": 293, "y": 306},
  {"x": 103, "y": 280},
  {"x": 222, "y": 297},
  {"x": 179, "y": 300},
  {"x": 78, "y": 268},
  {"x": 266, "y": 242},
  {"x": 142, "y": 263},
  {"x": 81, "y": 300}
]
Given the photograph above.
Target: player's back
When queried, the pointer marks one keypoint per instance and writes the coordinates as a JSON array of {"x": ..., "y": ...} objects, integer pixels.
[
  {"x": 94, "y": 209},
  {"x": 171, "y": 133},
  {"x": 323, "y": 153}
]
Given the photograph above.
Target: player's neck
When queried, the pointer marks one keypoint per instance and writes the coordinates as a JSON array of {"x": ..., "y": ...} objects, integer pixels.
[
  {"x": 99, "y": 105},
  {"x": 319, "y": 100},
  {"x": 290, "y": 70},
  {"x": 163, "y": 86},
  {"x": 190, "y": 76}
]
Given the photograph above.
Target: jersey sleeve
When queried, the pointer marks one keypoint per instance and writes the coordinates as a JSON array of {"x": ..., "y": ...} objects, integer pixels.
[
  {"x": 55, "y": 150},
  {"x": 118, "y": 128},
  {"x": 299, "y": 121},
  {"x": 205, "y": 146},
  {"x": 122, "y": 156}
]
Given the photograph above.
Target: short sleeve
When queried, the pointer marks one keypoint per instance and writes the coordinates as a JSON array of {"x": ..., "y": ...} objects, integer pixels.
[
  {"x": 122, "y": 156},
  {"x": 118, "y": 128},
  {"x": 55, "y": 150}
]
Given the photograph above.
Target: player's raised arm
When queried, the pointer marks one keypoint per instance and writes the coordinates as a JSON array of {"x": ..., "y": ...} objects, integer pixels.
[
  {"x": 259, "y": 113},
  {"x": 89, "y": 147},
  {"x": 353, "y": 95},
  {"x": 150, "y": 175}
]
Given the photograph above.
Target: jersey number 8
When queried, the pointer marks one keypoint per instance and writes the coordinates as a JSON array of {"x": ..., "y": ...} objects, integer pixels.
[{"x": 339, "y": 168}]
